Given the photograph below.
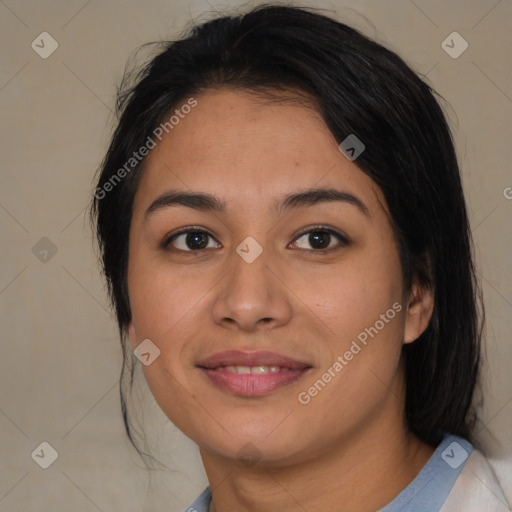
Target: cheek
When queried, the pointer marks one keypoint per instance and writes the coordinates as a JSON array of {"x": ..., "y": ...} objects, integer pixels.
[
  {"x": 360, "y": 306},
  {"x": 160, "y": 299},
  {"x": 352, "y": 296},
  {"x": 164, "y": 309},
  {"x": 176, "y": 399},
  {"x": 358, "y": 375}
]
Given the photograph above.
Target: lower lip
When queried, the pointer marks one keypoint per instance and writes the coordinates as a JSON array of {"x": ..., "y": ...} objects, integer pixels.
[{"x": 249, "y": 384}]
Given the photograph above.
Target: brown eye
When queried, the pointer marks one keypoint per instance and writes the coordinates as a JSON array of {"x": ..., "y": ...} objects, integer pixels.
[
  {"x": 191, "y": 240},
  {"x": 320, "y": 240}
]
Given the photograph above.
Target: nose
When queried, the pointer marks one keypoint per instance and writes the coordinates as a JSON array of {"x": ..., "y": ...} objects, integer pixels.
[{"x": 252, "y": 297}]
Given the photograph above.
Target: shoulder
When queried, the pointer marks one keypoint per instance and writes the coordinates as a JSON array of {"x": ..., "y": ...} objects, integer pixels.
[{"x": 476, "y": 489}]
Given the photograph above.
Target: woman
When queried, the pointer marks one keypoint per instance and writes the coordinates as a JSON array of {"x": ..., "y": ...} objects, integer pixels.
[{"x": 286, "y": 243}]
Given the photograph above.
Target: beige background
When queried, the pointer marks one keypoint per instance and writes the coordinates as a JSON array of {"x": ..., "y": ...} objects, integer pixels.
[{"x": 60, "y": 352}]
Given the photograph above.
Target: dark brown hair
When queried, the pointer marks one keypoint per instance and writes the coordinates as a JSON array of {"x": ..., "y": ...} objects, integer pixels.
[{"x": 360, "y": 88}]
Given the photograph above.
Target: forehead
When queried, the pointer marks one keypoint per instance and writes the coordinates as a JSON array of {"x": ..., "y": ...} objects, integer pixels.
[{"x": 250, "y": 150}]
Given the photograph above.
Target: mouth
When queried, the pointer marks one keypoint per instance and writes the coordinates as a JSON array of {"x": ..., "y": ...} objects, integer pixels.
[{"x": 251, "y": 374}]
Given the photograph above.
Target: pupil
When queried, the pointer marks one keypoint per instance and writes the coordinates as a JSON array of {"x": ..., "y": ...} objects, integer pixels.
[
  {"x": 197, "y": 239},
  {"x": 320, "y": 239}
]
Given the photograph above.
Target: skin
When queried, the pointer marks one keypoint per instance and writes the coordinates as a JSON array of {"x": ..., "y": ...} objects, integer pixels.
[{"x": 348, "y": 448}]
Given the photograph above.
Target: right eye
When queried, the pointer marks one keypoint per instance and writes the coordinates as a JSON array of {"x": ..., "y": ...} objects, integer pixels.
[{"x": 190, "y": 240}]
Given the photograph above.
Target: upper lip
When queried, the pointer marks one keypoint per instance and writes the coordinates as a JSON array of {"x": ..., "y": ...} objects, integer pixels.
[{"x": 260, "y": 358}]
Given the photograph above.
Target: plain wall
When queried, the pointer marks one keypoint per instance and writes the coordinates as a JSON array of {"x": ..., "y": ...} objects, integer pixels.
[{"x": 60, "y": 352}]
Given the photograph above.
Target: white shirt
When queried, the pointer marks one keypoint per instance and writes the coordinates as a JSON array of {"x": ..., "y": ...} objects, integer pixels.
[{"x": 457, "y": 478}]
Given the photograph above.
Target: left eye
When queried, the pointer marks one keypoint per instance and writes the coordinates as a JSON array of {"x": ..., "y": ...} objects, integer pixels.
[{"x": 320, "y": 240}]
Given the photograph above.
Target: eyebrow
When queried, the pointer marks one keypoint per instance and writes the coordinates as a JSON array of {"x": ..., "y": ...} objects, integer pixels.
[{"x": 208, "y": 202}]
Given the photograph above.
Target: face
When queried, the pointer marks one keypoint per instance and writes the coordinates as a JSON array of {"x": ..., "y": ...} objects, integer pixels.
[{"x": 307, "y": 289}]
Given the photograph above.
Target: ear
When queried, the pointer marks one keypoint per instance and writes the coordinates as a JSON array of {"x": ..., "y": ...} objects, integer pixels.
[{"x": 419, "y": 311}]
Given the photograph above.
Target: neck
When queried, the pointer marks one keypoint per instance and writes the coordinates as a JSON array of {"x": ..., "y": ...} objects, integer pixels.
[{"x": 363, "y": 472}]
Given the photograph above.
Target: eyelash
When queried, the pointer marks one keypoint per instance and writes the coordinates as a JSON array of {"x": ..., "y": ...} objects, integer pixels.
[{"x": 342, "y": 239}]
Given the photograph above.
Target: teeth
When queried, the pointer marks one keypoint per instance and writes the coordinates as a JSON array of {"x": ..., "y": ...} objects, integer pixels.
[{"x": 255, "y": 370}]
